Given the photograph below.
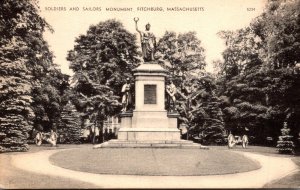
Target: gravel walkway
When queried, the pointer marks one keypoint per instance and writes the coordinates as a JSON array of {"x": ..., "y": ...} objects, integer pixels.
[{"x": 272, "y": 168}]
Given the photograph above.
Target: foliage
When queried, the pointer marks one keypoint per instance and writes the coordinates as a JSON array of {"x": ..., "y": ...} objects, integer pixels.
[
  {"x": 199, "y": 109},
  {"x": 23, "y": 55},
  {"x": 184, "y": 57},
  {"x": 285, "y": 144},
  {"x": 70, "y": 131},
  {"x": 181, "y": 54},
  {"x": 258, "y": 77},
  {"x": 279, "y": 28},
  {"x": 49, "y": 98},
  {"x": 102, "y": 59}
]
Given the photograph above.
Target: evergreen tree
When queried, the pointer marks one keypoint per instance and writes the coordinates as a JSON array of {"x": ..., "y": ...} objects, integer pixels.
[
  {"x": 70, "y": 128},
  {"x": 285, "y": 144},
  {"x": 21, "y": 56}
]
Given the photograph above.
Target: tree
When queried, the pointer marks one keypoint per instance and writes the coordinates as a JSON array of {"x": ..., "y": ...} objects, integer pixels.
[
  {"x": 49, "y": 98},
  {"x": 184, "y": 57},
  {"x": 71, "y": 124},
  {"x": 102, "y": 60},
  {"x": 285, "y": 144},
  {"x": 181, "y": 55},
  {"x": 22, "y": 55},
  {"x": 257, "y": 79},
  {"x": 200, "y": 110},
  {"x": 279, "y": 28}
]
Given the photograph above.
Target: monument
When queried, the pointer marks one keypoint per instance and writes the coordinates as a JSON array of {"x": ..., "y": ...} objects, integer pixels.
[{"x": 149, "y": 125}]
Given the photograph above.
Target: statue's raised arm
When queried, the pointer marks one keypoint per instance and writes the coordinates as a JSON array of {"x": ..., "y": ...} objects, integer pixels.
[{"x": 136, "y": 19}]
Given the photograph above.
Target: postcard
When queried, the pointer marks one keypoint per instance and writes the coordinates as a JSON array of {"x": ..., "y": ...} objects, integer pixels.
[{"x": 149, "y": 94}]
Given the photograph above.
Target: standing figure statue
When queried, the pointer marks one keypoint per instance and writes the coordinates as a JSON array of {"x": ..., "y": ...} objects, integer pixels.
[
  {"x": 148, "y": 42},
  {"x": 171, "y": 90},
  {"x": 126, "y": 98}
]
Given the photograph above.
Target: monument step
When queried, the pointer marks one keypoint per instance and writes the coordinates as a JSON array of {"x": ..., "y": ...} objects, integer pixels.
[
  {"x": 113, "y": 141},
  {"x": 154, "y": 144},
  {"x": 148, "y": 129}
]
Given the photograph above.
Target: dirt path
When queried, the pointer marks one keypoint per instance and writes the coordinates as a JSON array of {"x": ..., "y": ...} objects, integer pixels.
[{"x": 272, "y": 168}]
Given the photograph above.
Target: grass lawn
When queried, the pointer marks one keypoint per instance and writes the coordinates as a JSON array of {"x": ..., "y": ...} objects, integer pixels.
[{"x": 138, "y": 161}]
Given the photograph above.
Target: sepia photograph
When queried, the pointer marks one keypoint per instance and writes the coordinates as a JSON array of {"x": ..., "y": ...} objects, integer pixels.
[{"x": 98, "y": 94}]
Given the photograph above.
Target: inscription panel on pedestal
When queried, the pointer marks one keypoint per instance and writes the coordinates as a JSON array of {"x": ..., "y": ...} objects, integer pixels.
[{"x": 149, "y": 94}]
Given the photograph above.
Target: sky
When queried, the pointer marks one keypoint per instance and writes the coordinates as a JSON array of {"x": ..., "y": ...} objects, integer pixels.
[{"x": 71, "y": 18}]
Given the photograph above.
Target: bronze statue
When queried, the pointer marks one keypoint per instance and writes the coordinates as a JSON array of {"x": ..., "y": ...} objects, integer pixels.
[
  {"x": 126, "y": 98},
  {"x": 148, "y": 42},
  {"x": 171, "y": 90}
]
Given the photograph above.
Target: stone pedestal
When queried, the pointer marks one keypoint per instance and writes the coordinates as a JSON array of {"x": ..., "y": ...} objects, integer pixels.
[
  {"x": 149, "y": 125},
  {"x": 149, "y": 134},
  {"x": 150, "y": 120},
  {"x": 126, "y": 120},
  {"x": 173, "y": 120}
]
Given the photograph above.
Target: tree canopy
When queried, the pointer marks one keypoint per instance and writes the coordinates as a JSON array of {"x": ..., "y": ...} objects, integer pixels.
[
  {"x": 182, "y": 54},
  {"x": 25, "y": 59},
  {"x": 184, "y": 57},
  {"x": 258, "y": 79},
  {"x": 102, "y": 59}
]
